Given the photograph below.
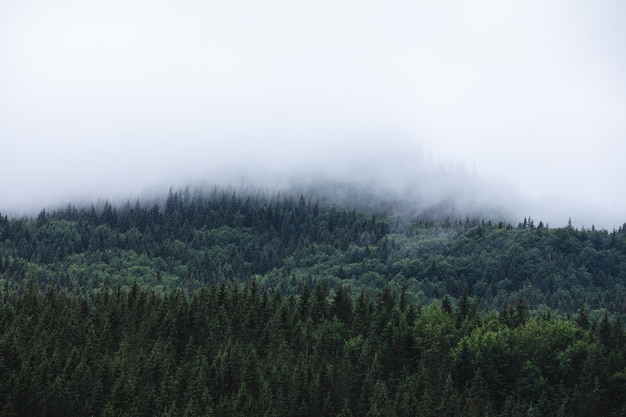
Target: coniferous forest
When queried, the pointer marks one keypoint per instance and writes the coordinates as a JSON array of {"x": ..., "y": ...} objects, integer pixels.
[{"x": 224, "y": 303}]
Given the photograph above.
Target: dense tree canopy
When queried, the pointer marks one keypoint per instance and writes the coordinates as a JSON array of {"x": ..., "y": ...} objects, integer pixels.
[
  {"x": 243, "y": 304},
  {"x": 238, "y": 350},
  {"x": 192, "y": 240}
]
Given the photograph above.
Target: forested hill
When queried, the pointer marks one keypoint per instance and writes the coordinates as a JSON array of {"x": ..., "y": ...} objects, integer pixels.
[
  {"x": 283, "y": 242},
  {"x": 238, "y": 304}
]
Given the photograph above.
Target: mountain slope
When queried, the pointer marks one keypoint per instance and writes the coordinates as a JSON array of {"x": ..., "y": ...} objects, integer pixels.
[{"x": 283, "y": 241}]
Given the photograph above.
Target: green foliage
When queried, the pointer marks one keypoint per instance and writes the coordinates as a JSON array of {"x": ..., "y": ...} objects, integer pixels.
[
  {"x": 235, "y": 350},
  {"x": 232, "y": 304},
  {"x": 194, "y": 240}
]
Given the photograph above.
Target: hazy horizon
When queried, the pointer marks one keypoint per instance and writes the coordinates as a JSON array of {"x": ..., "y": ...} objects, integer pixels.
[{"x": 516, "y": 107}]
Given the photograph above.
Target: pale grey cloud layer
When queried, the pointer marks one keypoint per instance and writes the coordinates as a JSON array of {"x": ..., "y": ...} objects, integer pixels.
[{"x": 103, "y": 97}]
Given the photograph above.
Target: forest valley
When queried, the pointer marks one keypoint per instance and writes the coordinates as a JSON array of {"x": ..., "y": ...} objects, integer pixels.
[{"x": 235, "y": 304}]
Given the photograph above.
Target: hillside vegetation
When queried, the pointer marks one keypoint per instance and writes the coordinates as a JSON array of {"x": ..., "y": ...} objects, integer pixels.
[
  {"x": 190, "y": 241},
  {"x": 243, "y": 304}
]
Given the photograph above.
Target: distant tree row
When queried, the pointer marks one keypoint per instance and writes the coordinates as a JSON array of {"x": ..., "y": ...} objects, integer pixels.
[{"x": 190, "y": 240}]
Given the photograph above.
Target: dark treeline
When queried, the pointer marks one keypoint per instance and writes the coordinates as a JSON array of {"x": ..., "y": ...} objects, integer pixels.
[
  {"x": 192, "y": 239},
  {"x": 237, "y": 350}
]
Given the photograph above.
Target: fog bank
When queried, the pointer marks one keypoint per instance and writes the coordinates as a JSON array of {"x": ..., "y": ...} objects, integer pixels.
[{"x": 504, "y": 106}]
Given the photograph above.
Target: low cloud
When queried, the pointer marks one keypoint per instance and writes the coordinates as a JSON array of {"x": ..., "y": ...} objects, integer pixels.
[{"x": 116, "y": 98}]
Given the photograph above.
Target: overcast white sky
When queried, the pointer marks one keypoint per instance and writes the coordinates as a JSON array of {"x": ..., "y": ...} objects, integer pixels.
[{"x": 100, "y": 97}]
